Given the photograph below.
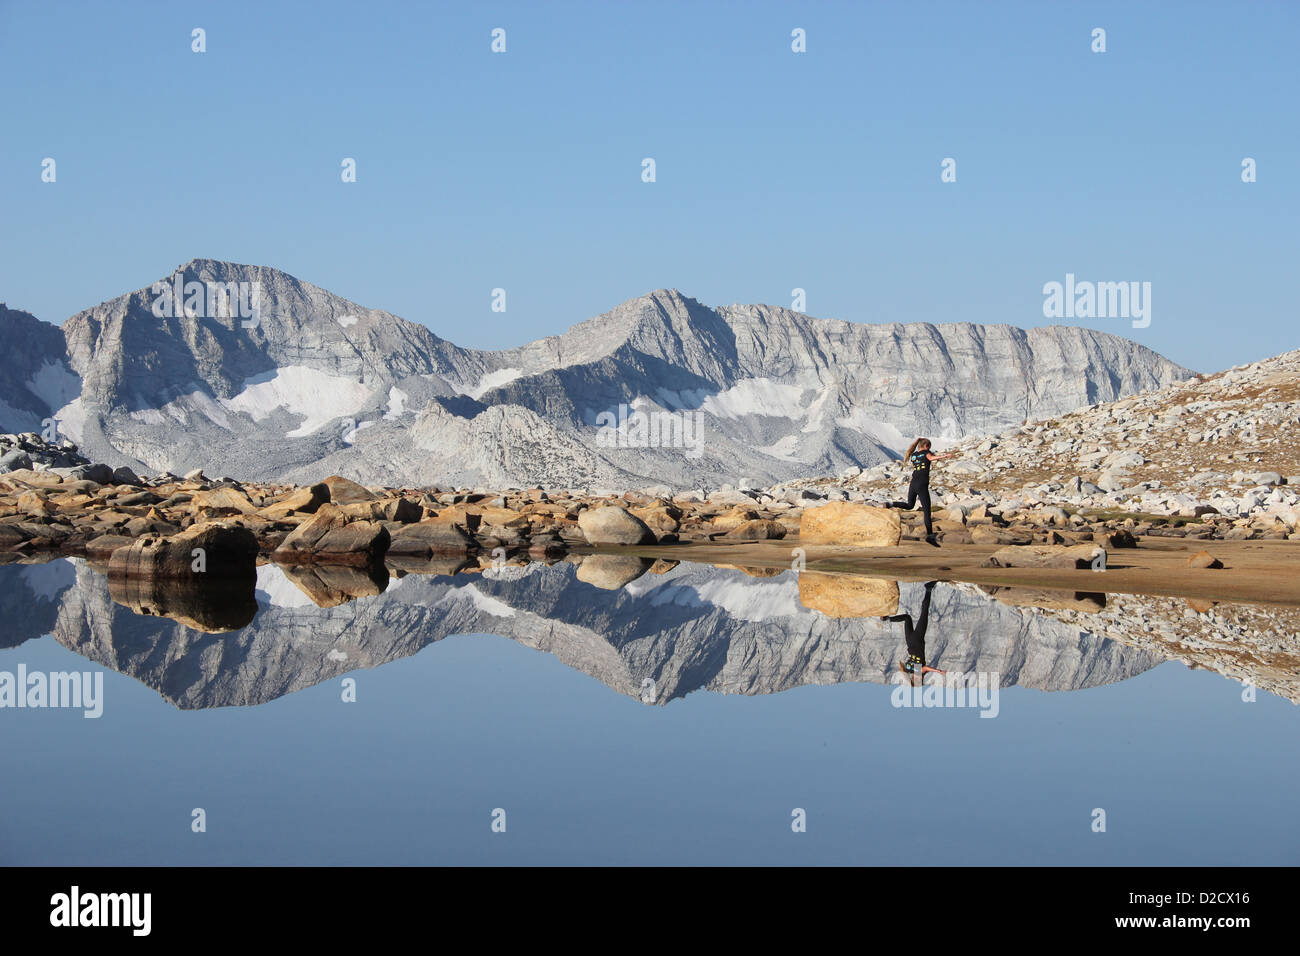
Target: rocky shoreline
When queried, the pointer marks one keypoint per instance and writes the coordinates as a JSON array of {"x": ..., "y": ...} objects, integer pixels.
[{"x": 95, "y": 511}]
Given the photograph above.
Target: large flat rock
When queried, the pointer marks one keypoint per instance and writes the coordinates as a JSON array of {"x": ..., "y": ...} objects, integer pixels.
[{"x": 849, "y": 523}]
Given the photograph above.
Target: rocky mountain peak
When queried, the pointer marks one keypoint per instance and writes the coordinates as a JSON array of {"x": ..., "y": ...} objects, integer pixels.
[{"x": 253, "y": 372}]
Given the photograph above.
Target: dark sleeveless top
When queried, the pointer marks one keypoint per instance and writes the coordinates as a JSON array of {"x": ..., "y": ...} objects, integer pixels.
[{"x": 920, "y": 463}]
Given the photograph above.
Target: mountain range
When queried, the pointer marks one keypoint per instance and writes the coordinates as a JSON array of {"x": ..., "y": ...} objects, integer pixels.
[{"x": 309, "y": 384}]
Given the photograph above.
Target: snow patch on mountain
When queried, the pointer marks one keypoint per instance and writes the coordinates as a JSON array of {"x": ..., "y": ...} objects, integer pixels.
[
  {"x": 315, "y": 395},
  {"x": 882, "y": 432},
  {"x": 502, "y": 376},
  {"x": 181, "y": 409},
  {"x": 785, "y": 448},
  {"x": 757, "y": 396},
  {"x": 750, "y": 600},
  {"x": 350, "y": 436},
  {"x": 396, "y": 403},
  {"x": 55, "y": 384},
  {"x": 274, "y": 589},
  {"x": 480, "y": 601},
  {"x": 72, "y": 420}
]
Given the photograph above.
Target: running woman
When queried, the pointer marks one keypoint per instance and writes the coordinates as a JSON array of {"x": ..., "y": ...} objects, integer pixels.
[{"x": 919, "y": 456}]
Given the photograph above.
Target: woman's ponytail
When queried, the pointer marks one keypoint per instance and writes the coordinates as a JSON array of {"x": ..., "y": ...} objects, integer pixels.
[{"x": 911, "y": 448}]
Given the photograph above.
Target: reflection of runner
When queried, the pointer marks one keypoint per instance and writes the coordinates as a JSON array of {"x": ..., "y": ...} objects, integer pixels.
[
  {"x": 915, "y": 666},
  {"x": 919, "y": 456}
]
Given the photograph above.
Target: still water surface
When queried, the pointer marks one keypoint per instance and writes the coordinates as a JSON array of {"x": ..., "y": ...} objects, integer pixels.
[{"x": 667, "y": 718}]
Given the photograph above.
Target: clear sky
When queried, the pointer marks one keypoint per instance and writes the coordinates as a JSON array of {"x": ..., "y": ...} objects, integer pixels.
[{"x": 774, "y": 169}]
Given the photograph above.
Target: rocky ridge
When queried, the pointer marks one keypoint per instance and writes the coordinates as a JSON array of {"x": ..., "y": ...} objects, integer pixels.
[{"x": 660, "y": 389}]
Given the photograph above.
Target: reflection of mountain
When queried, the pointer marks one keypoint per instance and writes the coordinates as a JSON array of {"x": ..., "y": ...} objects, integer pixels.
[
  {"x": 30, "y": 595},
  {"x": 691, "y": 628}
]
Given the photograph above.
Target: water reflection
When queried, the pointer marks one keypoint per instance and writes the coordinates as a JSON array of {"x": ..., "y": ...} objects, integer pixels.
[
  {"x": 626, "y": 621},
  {"x": 915, "y": 666},
  {"x": 623, "y": 621}
]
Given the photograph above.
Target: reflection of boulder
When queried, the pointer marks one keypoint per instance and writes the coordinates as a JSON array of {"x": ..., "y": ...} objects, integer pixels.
[
  {"x": 1086, "y": 601},
  {"x": 329, "y": 585},
  {"x": 211, "y": 606},
  {"x": 611, "y": 571},
  {"x": 754, "y": 572},
  {"x": 417, "y": 564},
  {"x": 848, "y": 595}
]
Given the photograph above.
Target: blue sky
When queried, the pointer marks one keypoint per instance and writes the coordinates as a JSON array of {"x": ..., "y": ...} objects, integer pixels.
[{"x": 775, "y": 170}]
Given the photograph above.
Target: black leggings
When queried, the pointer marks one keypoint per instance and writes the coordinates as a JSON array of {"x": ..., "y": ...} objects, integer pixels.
[{"x": 918, "y": 490}]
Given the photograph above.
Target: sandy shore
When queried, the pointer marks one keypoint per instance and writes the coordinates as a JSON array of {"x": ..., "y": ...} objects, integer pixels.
[{"x": 1254, "y": 572}]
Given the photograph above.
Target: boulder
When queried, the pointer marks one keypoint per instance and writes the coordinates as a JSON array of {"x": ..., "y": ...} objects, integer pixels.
[
  {"x": 353, "y": 543},
  {"x": 614, "y": 526},
  {"x": 1079, "y": 556},
  {"x": 661, "y": 520},
  {"x": 1119, "y": 538},
  {"x": 730, "y": 520},
  {"x": 1055, "y": 515},
  {"x": 761, "y": 529},
  {"x": 303, "y": 500},
  {"x": 99, "y": 473},
  {"x": 222, "y": 499},
  {"x": 400, "y": 510},
  {"x": 430, "y": 537},
  {"x": 345, "y": 492},
  {"x": 850, "y": 523},
  {"x": 1204, "y": 560},
  {"x": 207, "y": 551},
  {"x": 330, "y": 536},
  {"x": 102, "y": 547},
  {"x": 11, "y": 537},
  {"x": 34, "y": 479},
  {"x": 983, "y": 534},
  {"x": 1262, "y": 478}
]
